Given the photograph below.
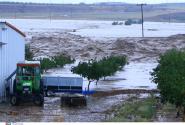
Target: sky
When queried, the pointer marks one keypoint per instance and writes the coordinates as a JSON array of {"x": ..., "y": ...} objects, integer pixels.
[{"x": 95, "y": 1}]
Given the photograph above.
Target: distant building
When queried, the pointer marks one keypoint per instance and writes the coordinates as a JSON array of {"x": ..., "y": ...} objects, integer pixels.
[{"x": 12, "y": 50}]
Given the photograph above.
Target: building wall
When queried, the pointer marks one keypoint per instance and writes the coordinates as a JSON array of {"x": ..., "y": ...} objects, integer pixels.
[{"x": 10, "y": 54}]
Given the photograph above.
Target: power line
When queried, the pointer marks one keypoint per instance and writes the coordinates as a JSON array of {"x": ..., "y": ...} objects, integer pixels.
[{"x": 142, "y": 20}]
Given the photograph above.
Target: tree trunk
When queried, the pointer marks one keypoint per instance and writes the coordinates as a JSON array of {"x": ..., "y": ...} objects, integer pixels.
[
  {"x": 184, "y": 114},
  {"x": 178, "y": 112},
  {"x": 97, "y": 82},
  {"x": 89, "y": 86}
]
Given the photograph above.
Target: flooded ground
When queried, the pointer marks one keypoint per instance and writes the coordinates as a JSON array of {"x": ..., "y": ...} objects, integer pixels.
[
  {"x": 99, "y": 29},
  {"x": 94, "y": 40},
  {"x": 133, "y": 76},
  {"x": 97, "y": 109}
]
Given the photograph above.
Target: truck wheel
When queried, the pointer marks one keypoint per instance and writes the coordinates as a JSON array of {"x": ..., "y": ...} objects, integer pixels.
[
  {"x": 39, "y": 100},
  {"x": 46, "y": 93},
  {"x": 14, "y": 100},
  {"x": 41, "y": 87}
]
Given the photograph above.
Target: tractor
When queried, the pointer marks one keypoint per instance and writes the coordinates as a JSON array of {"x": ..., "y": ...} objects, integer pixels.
[{"x": 27, "y": 85}]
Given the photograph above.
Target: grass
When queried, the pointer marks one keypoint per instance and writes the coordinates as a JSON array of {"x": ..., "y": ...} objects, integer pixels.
[{"x": 136, "y": 111}]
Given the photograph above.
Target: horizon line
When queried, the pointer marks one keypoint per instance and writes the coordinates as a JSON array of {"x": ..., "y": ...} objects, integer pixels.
[{"x": 89, "y": 3}]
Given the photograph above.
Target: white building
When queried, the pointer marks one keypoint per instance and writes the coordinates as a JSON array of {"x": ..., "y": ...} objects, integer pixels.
[{"x": 12, "y": 50}]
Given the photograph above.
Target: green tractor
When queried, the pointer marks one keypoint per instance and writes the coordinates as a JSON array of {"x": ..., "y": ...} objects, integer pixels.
[{"x": 27, "y": 85}]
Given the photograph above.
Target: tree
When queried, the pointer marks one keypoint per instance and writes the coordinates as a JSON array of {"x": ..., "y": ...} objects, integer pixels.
[
  {"x": 61, "y": 60},
  {"x": 169, "y": 76},
  {"x": 46, "y": 64},
  {"x": 84, "y": 69},
  {"x": 56, "y": 61},
  {"x": 28, "y": 53},
  {"x": 95, "y": 70}
]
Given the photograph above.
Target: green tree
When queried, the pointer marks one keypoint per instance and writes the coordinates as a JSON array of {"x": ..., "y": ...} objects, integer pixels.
[
  {"x": 60, "y": 60},
  {"x": 28, "y": 53},
  {"x": 110, "y": 65},
  {"x": 56, "y": 61},
  {"x": 46, "y": 64},
  {"x": 169, "y": 76},
  {"x": 84, "y": 69},
  {"x": 95, "y": 70}
]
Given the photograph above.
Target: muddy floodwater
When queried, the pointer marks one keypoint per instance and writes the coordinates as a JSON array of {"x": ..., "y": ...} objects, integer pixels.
[{"x": 97, "y": 109}]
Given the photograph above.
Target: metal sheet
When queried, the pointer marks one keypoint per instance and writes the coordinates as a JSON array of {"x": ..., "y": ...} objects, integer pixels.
[
  {"x": 62, "y": 81},
  {"x": 10, "y": 54}
]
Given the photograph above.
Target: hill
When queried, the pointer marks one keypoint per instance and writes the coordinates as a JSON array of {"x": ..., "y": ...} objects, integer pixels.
[{"x": 97, "y": 11}]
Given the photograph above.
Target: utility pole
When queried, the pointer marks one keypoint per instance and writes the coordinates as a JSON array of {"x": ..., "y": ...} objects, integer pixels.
[
  {"x": 49, "y": 7},
  {"x": 142, "y": 20}
]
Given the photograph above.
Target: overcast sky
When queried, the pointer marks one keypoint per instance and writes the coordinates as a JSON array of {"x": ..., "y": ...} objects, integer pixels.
[{"x": 95, "y": 1}]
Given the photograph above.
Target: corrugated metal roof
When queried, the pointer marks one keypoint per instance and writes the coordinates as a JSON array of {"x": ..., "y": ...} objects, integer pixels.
[{"x": 14, "y": 28}]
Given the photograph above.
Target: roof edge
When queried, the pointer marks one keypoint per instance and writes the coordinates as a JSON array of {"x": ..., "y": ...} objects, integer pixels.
[{"x": 14, "y": 28}]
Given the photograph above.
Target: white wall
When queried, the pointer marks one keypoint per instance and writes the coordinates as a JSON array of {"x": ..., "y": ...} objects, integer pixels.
[{"x": 10, "y": 53}]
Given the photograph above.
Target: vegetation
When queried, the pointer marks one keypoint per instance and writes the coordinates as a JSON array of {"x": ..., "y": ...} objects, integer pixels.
[
  {"x": 169, "y": 76},
  {"x": 46, "y": 63},
  {"x": 56, "y": 61},
  {"x": 94, "y": 70},
  {"x": 28, "y": 53},
  {"x": 136, "y": 111}
]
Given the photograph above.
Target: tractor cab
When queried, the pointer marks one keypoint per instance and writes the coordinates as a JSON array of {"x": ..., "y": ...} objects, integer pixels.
[
  {"x": 28, "y": 83},
  {"x": 28, "y": 77}
]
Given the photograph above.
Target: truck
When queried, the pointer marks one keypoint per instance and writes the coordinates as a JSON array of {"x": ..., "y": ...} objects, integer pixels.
[
  {"x": 70, "y": 89},
  {"x": 27, "y": 85},
  {"x": 54, "y": 84}
]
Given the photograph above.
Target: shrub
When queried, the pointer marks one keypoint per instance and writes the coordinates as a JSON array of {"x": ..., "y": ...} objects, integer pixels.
[{"x": 56, "y": 61}]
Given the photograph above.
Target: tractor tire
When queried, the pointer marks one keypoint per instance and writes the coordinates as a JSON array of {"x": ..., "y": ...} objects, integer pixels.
[
  {"x": 14, "y": 86},
  {"x": 39, "y": 100},
  {"x": 14, "y": 100}
]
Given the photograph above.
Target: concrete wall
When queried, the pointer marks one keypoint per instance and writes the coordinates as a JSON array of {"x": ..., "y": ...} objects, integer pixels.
[{"x": 12, "y": 52}]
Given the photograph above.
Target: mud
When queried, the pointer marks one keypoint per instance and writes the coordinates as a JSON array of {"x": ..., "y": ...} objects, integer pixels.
[{"x": 97, "y": 110}]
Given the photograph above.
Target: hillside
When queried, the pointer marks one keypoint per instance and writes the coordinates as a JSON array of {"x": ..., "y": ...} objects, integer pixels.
[{"x": 98, "y": 11}]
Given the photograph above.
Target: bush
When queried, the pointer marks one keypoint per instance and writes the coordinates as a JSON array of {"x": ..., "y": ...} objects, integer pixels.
[
  {"x": 56, "y": 61},
  {"x": 169, "y": 76}
]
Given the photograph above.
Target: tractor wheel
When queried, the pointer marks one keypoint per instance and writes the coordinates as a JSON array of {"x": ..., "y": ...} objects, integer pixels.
[
  {"x": 14, "y": 100},
  {"x": 39, "y": 100}
]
